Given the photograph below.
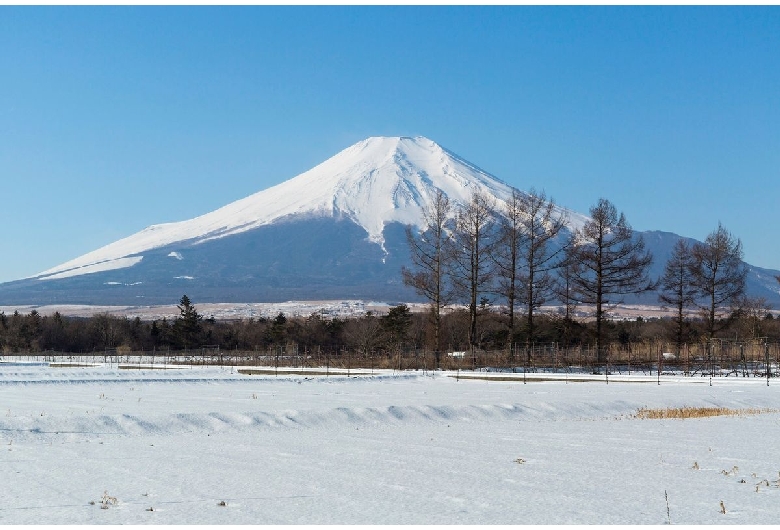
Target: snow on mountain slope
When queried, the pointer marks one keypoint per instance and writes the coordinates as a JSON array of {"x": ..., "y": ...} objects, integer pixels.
[{"x": 376, "y": 181}]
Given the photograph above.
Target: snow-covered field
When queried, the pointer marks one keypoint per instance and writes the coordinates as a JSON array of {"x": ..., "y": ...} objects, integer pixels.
[
  {"x": 211, "y": 445},
  {"x": 220, "y": 311},
  {"x": 299, "y": 308}
]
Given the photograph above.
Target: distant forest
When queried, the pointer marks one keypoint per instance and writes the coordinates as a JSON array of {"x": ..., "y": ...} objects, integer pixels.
[{"x": 371, "y": 335}]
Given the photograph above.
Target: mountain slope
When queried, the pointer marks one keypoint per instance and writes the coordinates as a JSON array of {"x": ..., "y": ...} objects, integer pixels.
[
  {"x": 333, "y": 232},
  {"x": 374, "y": 182}
]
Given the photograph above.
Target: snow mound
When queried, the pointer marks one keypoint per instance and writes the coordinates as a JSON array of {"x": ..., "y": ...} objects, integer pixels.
[{"x": 127, "y": 403}]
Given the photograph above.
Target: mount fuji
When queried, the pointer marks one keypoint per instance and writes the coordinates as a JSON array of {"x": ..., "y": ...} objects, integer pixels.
[{"x": 333, "y": 232}]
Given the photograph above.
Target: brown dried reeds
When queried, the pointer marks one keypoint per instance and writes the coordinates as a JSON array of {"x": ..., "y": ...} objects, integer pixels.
[{"x": 682, "y": 413}]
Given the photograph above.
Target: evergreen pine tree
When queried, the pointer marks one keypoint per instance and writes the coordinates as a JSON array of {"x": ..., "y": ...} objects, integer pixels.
[{"x": 187, "y": 325}]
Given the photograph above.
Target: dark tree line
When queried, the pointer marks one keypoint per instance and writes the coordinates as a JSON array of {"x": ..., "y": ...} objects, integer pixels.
[
  {"x": 371, "y": 335},
  {"x": 34, "y": 333}
]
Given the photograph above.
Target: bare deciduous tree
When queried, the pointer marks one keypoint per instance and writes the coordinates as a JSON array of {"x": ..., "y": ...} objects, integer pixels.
[
  {"x": 752, "y": 313},
  {"x": 564, "y": 293},
  {"x": 677, "y": 288},
  {"x": 474, "y": 238},
  {"x": 507, "y": 257},
  {"x": 364, "y": 334},
  {"x": 543, "y": 226},
  {"x": 610, "y": 260},
  {"x": 718, "y": 274},
  {"x": 431, "y": 252}
]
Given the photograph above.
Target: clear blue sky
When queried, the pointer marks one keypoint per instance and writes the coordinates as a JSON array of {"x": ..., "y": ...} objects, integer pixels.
[{"x": 115, "y": 118}]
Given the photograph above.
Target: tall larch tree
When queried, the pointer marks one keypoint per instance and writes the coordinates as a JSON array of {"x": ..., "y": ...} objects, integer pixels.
[
  {"x": 542, "y": 224},
  {"x": 677, "y": 289},
  {"x": 718, "y": 274},
  {"x": 507, "y": 258},
  {"x": 431, "y": 254},
  {"x": 474, "y": 240},
  {"x": 610, "y": 262},
  {"x": 526, "y": 255}
]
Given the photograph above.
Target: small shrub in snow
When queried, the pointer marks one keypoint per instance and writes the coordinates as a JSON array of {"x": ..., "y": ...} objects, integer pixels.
[{"x": 107, "y": 500}]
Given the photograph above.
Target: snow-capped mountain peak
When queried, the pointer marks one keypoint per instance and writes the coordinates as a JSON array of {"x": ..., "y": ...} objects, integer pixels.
[{"x": 376, "y": 181}]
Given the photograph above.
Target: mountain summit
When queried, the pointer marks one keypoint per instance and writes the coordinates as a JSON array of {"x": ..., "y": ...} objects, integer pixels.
[
  {"x": 373, "y": 183},
  {"x": 336, "y": 231}
]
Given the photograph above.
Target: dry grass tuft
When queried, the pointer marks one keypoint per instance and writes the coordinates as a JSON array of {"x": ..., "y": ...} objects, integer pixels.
[
  {"x": 107, "y": 500},
  {"x": 682, "y": 413}
]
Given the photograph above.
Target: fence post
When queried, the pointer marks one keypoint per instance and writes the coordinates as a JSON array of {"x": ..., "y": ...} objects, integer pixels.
[{"x": 766, "y": 348}]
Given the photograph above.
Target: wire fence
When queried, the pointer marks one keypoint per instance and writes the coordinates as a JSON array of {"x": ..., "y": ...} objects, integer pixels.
[{"x": 718, "y": 357}]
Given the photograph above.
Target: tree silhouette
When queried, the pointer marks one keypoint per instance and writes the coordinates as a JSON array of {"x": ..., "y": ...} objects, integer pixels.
[
  {"x": 525, "y": 256},
  {"x": 474, "y": 240},
  {"x": 187, "y": 326},
  {"x": 609, "y": 260},
  {"x": 677, "y": 289},
  {"x": 431, "y": 255},
  {"x": 718, "y": 274}
]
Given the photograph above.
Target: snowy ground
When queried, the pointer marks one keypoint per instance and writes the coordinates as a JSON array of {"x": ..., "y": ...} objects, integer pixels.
[
  {"x": 324, "y": 308},
  {"x": 219, "y": 311},
  {"x": 172, "y": 445}
]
